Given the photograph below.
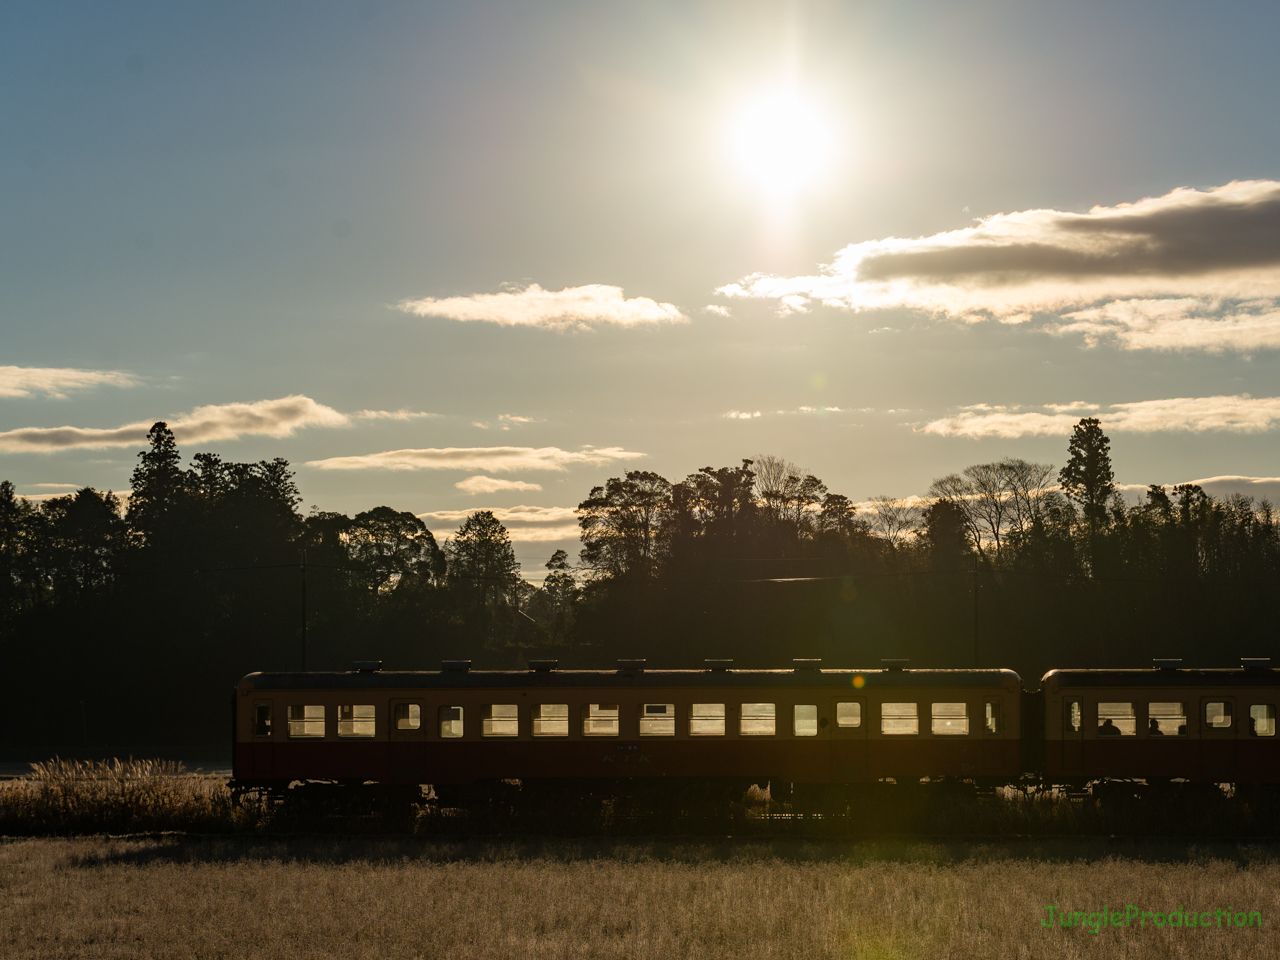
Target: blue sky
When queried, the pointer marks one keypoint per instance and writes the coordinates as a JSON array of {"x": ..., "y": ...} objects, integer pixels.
[{"x": 505, "y": 224}]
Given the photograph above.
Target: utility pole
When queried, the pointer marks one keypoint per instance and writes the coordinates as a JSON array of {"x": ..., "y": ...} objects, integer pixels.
[
  {"x": 976, "y": 659},
  {"x": 304, "y": 611}
]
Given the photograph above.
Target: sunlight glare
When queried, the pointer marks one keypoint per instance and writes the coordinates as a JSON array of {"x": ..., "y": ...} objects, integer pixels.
[{"x": 781, "y": 143}]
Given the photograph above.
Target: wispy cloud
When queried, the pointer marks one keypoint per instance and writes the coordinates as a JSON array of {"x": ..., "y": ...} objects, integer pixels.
[
  {"x": 753, "y": 414},
  {"x": 531, "y": 306},
  {"x": 1243, "y": 481},
  {"x": 228, "y": 421},
  {"x": 1075, "y": 406},
  {"x": 1235, "y": 414},
  {"x": 524, "y": 524},
  {"x": 56, "y": 381},
  {"x": 717, "y": 310},
  {"x": 494, "y": 459},
  {"x": 1191, "y": 270},
  {"x": 1178, "y": 324},
  {"x": 482, "y": 484},
  {"x": 505, "y": 421},
  {"x": 401, "y": 414}
]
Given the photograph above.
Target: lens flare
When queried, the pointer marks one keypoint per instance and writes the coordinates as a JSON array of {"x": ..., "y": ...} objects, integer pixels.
[{"x": 859, "y": 681}]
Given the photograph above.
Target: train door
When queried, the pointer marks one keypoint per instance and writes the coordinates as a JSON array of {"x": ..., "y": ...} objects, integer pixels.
[
  {"x": 1072, "y": 737},
  {"x": 993, "y": 736},
  {"x": 847, "y": 716},
  {"x": 408, "y": 740},
  {"x": 1218, "y": 724},
  {"x": 260, "y": 750}
]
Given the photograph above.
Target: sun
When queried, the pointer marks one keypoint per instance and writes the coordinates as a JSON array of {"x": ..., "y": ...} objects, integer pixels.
[{"x": 781, "y": 143}]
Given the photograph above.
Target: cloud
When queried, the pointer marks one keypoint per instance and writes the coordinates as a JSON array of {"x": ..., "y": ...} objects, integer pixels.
[
  {"x": 512, "y": 418},
  {"x": 228, "y": 421},
  {"x": 1242, "y": 481},
  {"x": 524, "y": 524},
  {"x": 401, "y": 414},
  {"x": 122, "y": 495},
  {"x": 55, "y": 381},
  {"x": 1075, "y": 406},
  {"x": 482, "y": 484},
  {"x": 1191, "y": 270},
  {"x": 1235, "y": 414},
  {"x": 717, "y": 310},
  {"x": 753, "y": 414},
  {"x": 573, "y": 308},
  {"x": 1178, "y": 324},
  {"x": 495, "y": 459}
]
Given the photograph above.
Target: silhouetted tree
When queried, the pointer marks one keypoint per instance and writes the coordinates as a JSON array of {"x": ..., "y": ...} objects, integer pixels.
[
  {"x": 481, "y": 560},
  {"x": 894, "y": 519},
  {"x": 14, "y": 556},
  {"x": 158, "y": 484},
  {"x": 1087, "y": 479},
  {"x": 623, "y": 524},
  {"x": 947, "y": 535},
  {"x": 80, "y": 541},
  {"x": 388, "y": 545}
]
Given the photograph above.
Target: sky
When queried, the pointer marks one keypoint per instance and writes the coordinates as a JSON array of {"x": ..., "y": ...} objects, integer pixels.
[{"x": 460, "y": 256}]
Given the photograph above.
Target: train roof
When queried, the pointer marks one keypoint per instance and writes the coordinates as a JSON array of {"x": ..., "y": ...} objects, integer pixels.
[
  {"x": 476, "y": 679},
  {"x": 1166, "y": 677}
]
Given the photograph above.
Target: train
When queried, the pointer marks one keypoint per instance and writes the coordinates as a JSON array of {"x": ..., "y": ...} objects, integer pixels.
[{"x": 460, "y": 734}]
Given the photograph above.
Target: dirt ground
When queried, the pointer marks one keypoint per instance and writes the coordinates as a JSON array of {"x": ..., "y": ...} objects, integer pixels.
[{"x": 405, "y": 897}]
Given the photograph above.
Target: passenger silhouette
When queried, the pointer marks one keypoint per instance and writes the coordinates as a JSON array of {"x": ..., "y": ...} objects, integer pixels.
[
  {"x": 1153, "y": 729},
  {"x": 1108, "y": 729}
]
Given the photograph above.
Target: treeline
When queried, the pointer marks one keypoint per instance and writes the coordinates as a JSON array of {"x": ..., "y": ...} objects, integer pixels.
[{"x": 125, "y": 624}]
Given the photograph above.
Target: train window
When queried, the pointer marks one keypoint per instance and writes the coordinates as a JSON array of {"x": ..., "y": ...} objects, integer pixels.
[
  {"x": 550, "y": 719},
  {"x": 408, "y": 716},
  {"x": 806, "y": 720},
  {"x": 898, "y": 719},
  {"x": 306, "y": 721},
  {"x": 499, "y": 720},
  {"x": 450, "y": 722},
  {"x": 1262, "y": 720},
  {"x": 993, "y": 716},
  {"x": 706, "y": 720},
  {"x": 658, "y": 720},
  {"x": 357, "y": 720},
  {"x": 849, "y": 714},
  {"x": 1217, "y": 715},
  {"x": 950, "y": 720},
  {"x": 1074, "y": 719},
  {"x": 262, "y": 720},
  {"x": 599, "y": 719},
  {"x": 758, "y": 720},
  {"x": 1166, "y": 719},
  {"x": 1117, "y": 720}
]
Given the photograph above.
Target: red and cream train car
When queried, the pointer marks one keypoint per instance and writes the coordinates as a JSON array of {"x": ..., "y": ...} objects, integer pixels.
[
  {"x": 1166, "y": 723},
  {"x": 460, "y": 726}
]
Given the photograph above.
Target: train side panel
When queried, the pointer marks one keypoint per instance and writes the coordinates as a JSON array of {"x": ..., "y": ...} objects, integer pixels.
[
  {"x": 293, "y": 728},
  {"x": 1199, "y": 726}
]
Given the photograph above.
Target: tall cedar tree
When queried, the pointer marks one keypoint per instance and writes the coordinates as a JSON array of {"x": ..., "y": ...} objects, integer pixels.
[
  {"x": 158, "y": 482},
  {"x": 481, "y": 559},
  {"x": 1087, "y": 478}
]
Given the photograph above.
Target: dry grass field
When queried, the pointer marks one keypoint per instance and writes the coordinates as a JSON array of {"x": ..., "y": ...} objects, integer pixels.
[{"x": 420, "y": 898}]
